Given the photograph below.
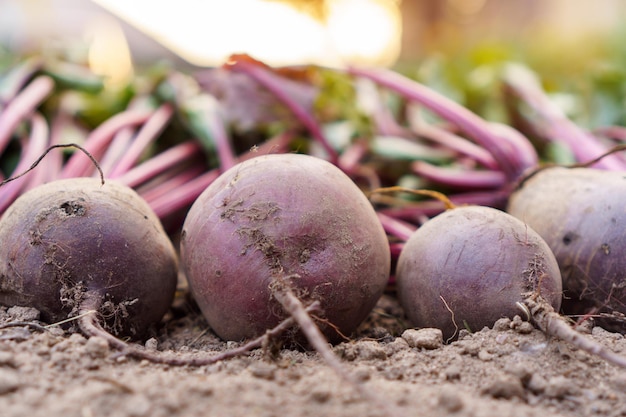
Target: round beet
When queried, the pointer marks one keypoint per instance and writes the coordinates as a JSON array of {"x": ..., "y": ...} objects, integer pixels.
[
  {"x": 75, "y": 240},
  {"x": 469, "y": 266},
  {"x": 580, "y": 214},
  {"x": 275, "y": 216}
]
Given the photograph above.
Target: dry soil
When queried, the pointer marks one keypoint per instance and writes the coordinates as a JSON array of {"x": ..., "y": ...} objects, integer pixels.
[{"x": 509, "y": 370}]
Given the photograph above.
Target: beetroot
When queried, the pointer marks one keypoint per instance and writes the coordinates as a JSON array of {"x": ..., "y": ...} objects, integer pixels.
[
  {"x": 78, "y": 244},
  {"x": 472, "y": 265},
  {"x": 278, "y": 218},
  {"x": 580, "y": 213}
]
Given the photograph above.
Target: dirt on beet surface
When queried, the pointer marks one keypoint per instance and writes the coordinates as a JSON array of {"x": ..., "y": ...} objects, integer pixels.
[{"x": 509, "y": 370}]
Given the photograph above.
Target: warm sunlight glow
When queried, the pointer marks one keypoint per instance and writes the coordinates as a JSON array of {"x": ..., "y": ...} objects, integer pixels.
[
  {"x": 109, "y": 55},
  {"x": 363, "y": 30},
  {"x": 207, "y": 32}
]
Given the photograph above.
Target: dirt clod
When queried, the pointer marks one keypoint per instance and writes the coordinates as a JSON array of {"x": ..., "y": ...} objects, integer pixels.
[
  {"x": 97, "y": 347},
  {"x": 9, "y": 381},
  {"x": 424, "y": 338},
  {"x": 505, "y": 386},
  {"x": 60, "y": 375}
]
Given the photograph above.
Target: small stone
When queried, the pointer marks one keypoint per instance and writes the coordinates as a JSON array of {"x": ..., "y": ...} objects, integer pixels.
[
  {"x": 520, "y": 326},
  {"x": 470, "y": 347},
  {"x": 521, "y": 371},
  {"x": 450, "y": 400},
  {"x": 506, "y": 387},
  {"x": 56, "y": 331},
  {"x": 97, "y": 347},
  {"x": 9, "y": 381},
  {"x": 151, "y": 344},
  {"x": 362, "y": 374},
  {"x": 485, "y": 356},
  {"x": 559, "y": 387},
  {"x": 601, "y": 332},
  {"x": 619, "y": 382},
  {"x": 320, "y": 395},
  {"x": 525, "y": 328},
  {"x": 424, "y": 338},
  {"x": 346, "y": 351},
  {"x": 502, "y": 324},
  {"x": 20, "y": 313},
  {"x": 395, "y": 346},
  {"x": 370, "y": 350},
  {"x": 76, "y": 339},
  {"x": 7, "y": 359},
  {"x": 537, "y": 384},
  {"x": 263, "y": 371},
  {"x": 452, "y": 372}
]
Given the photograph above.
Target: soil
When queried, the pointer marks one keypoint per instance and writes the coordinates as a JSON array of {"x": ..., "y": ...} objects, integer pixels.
[{"x": 509, "y": 370}]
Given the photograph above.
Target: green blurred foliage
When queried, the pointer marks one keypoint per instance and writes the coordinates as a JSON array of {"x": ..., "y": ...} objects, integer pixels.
[{"x": 587, "y": 80}]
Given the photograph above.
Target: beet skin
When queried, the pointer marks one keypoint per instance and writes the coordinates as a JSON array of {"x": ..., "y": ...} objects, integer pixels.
[
  {"x": 581, "y": 214},
  {"x": 72, "y": 239},
  {"x": 469, "y": 266},
  {"x": 274, "y": 216}
]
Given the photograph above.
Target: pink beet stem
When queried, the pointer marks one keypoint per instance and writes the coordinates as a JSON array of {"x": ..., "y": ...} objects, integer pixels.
[
  {"x": 461, "y": 178},
  {"x": 397, "y": 228},
  {"x": 467, "y": 121},
  {"x": 160, "y": 163},
  {"x": 461, "y": 145},
  {"x": 148, "y": 133},
  {"x": 186, "y": 194},
  {"x": 263, "y": 77},
  {"x": 22, "y": 106},
  {"x": 79, "y": 165},
  {"x": 116, "y": 149},
  {"x": 32, "y": 148},
  {"x": 555, "y": 126}
]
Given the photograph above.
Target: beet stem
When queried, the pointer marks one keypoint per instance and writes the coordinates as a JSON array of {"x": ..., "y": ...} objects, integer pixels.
[
  {"x": 265, "y": 78},
  {"x": 469, "y": 122},
  {"x": 52, "y": 165},
  {"x": 160, "y": 163},
  {"x": 456, "y": 177},
  {"x": 397, "y": 228},
  {"x": 456, "y": 143},
  {"x": 419, "y": 209},
  {"x": 184, "y": 195},
  {"x": 216, "y": 125},
  {"x": 99, "y": 139},
  {"x": 22, "y": 106},
  {"x": 13, "y": 81},
  {"x": 552, "y": 123},
  {"x": 31, "y": 148},
  {"x": 148, "y": 133}
]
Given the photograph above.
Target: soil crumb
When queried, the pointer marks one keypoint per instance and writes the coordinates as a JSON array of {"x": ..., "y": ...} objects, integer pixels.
[{"x": 507, "y": 370}]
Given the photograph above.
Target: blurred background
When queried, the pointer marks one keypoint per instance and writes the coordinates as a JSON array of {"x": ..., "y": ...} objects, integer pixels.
[
  {"x": 153, "y": 54},
  {"x": 454, "y": 46},
  {"x": 331, "y": 32}
]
